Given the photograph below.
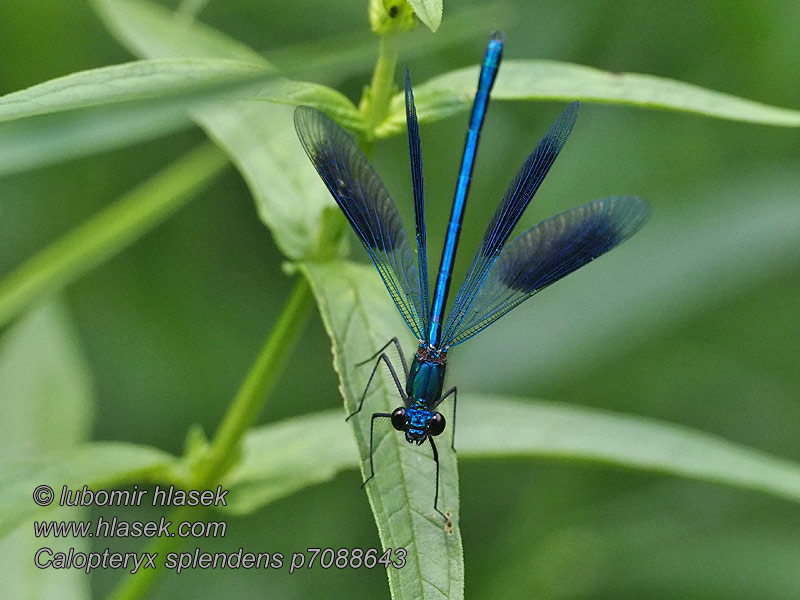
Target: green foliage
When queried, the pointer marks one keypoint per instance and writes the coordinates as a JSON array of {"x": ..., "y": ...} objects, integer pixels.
[
  {"x": 140, "y": 80},
  {"x": 312, "y": 449},
  {"x": 429, "y": 12},
  {"x": 685, "y": 262},
  {"x": 39, "y": 358},
  {"x": 151, "y": 30},
  {"x": 730, "y": 240},
  {"x": 98, "y": 465},
  {"x": 357, "y": 318},
  {"x": 259, "y": 137},
  {"x": 105, "y": 108},
  {"x": 452, "y": 93}
]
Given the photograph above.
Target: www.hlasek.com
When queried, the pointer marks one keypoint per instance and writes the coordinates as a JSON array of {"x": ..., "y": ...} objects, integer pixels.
[{"x": 113, "y": 527}]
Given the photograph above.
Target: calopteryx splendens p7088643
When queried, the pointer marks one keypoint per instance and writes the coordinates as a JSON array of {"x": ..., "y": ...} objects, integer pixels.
[{"x": 499, "y": 278}]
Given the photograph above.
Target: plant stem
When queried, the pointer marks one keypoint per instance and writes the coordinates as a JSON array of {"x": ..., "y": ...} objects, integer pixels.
[
  {"x": 110, "y": 231},
  {"x": 259, "y": 382},
  {"x": 241, "y": 414},
  {"x": 376, "y": 105},
  {"x": 136, "y": 586}
]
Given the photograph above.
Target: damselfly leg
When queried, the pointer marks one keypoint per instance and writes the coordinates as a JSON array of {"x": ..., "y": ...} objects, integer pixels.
[
  {"x": 453, "y": 390},
  {"x": 382, "y": 356},
  {"x": 372, "y": 463}
]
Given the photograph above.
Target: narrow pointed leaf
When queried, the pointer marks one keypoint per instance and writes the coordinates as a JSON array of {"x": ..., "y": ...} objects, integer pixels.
[
  {"x": 137, "y": 80},
  {"x": 280, "y": 459},
  {"x": 360, "y": 319},
  {"x": 311, "y": 449},
  {"x": 100, "y": 109},
  {"x": 452, "y": 93}
]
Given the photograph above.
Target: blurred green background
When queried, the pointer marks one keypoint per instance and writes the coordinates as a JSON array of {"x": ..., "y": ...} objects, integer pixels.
[{"x": 170, "y": 326}]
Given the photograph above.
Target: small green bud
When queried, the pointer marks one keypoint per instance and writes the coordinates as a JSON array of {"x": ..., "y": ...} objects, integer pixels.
[{"x": 386, "y": 16}]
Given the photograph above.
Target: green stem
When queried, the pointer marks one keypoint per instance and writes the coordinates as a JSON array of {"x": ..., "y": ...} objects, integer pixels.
[
  {"x": 376, "y": 104},
  {"x": 258, "y": 384},
  {"x": 241, "y": 414},
  {"x": 110, "y": 231},
  {"x": 136, "y": 586}
]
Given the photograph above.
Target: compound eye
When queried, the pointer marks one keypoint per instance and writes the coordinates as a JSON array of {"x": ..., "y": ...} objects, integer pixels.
[
  {"x": 436, "y": 424},
  {"x": 399, "y": 418}
]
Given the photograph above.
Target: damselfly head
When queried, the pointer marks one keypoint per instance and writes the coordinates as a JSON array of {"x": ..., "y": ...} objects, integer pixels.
[{"x": 417, "y": 424}]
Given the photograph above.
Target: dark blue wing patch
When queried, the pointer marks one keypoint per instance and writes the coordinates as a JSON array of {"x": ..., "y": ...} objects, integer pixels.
[
  {"x": 549, "y": 251},
  {"x": 507, "y": 214},
  {"x": 365, "y": 202}
]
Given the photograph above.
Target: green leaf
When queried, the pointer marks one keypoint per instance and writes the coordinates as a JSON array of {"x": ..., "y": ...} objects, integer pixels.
[
  {"x": 105, "y": 108},
  {"x": 98, "y": 465},
  {"x": 139, "y": 80},
  {"x": 452, "y": 92},
  {"x": 148, "y": 29},
  {"x": 110, "y": 231},
  {"x": 46, "y": 395},
  {"x": 295, "y": 93},
  {"x": 46, "y": 401},
  {"x": 259, "y": 136},
  {"x": 312, "y": 449},
  {"x": 429, "y": 12},
  {"x": 497, "y": 426},
  {"x": 101, "y": 109},
  {"x": 360, "y": 319},
  {"x": 279, "y": 459}
]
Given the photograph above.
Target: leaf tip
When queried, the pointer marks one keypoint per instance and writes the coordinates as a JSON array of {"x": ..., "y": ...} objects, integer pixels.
[{"x": 429, "y": 12}]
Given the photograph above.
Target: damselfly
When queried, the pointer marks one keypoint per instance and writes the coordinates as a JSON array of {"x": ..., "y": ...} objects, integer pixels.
[{"x": 498, "y": 278}]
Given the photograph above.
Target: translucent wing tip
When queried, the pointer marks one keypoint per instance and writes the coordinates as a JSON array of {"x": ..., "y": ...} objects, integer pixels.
[
  {"x": 305, "y": 119},
  {"x": 409, "y": 91},
  {"x": 573, "y": 108},
  {"x": 564, "y": 124},
  {"x": 497, "y": 36},
  {"x": 302, "y": 113},
  {"x": 635, "y": 212}
]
